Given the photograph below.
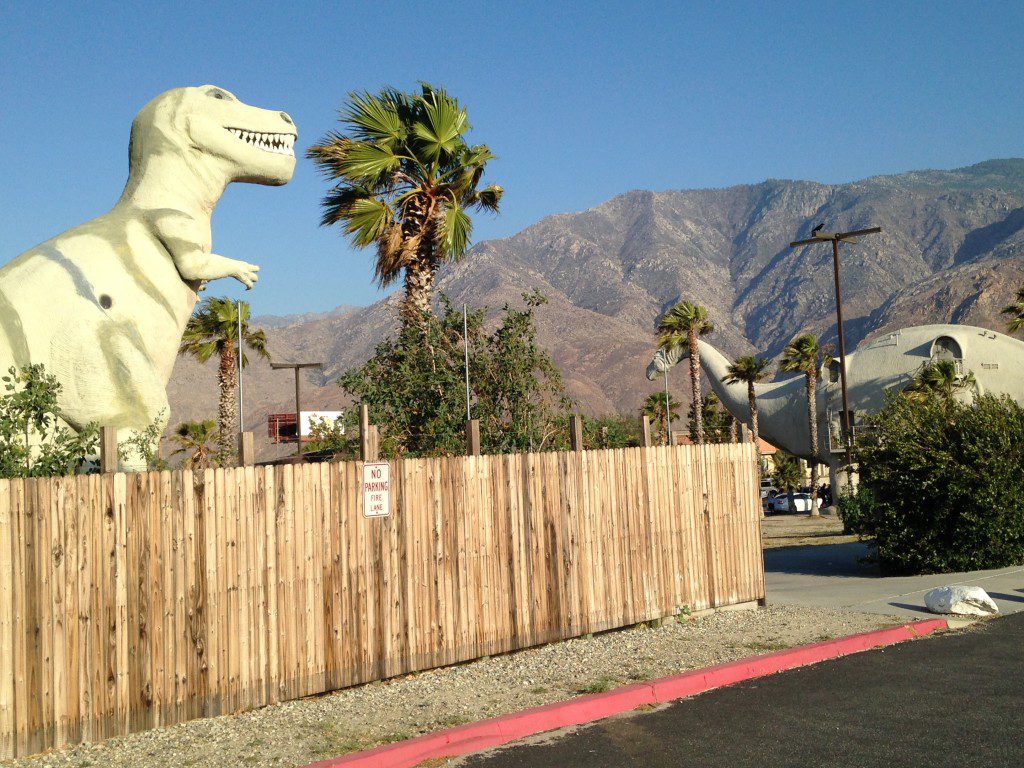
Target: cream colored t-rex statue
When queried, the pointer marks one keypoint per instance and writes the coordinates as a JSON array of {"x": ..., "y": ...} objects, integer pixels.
[{"x": 103, "y": 305}]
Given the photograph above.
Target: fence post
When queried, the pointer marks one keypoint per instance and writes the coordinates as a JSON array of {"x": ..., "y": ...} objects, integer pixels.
[
  {"x": 372, "y": 444},
  {"x": 645, "y": 431},
  {"x": 364, "y": 431},
  {"x": 745, "y": 434},
  {"x": 246, "y": 449},
  {"x": 108, "y": 450},
  {"x": 473, "y": 437},
  {"x": 576, "y": 432}
]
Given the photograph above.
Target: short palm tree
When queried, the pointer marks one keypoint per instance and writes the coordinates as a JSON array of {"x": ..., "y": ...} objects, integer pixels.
[
  {"x": 683, "y": 324},
  {"x": 805, "y": 354},
  {"x": 655, "y": 410},
  {"x": 405, "y": 180},
  {"x": 198, "y": 439},
  {"x": 1015, "y": 312},
  {"x": 213, "y": 330},
  {"x": 940, "y": 379},
  {"x": 748, "y": 370}
]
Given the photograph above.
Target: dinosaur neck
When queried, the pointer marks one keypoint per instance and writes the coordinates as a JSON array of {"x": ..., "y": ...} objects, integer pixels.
[
  {"x": 716, "y": 366},
  {"x": 189, "y": 183}
]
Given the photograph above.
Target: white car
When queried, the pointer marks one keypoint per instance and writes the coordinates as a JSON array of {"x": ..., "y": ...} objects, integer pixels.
[{"x": 801, "y": 503}]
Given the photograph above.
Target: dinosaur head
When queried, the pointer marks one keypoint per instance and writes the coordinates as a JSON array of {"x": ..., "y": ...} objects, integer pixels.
[{"x": 216, "y": 135}]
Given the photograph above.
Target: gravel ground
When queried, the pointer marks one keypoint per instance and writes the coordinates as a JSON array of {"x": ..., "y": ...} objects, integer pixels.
[
  {"x": 797, "y": 530},
  {"x": 299, "y": 732}
]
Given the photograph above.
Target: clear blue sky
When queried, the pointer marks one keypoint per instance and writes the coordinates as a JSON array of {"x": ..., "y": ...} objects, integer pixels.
[{"x": 580, "y": 102}]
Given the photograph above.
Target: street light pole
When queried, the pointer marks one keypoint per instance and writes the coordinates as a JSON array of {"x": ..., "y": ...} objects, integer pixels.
[
  {"x": 297, "y": 367},
  {"x": 817, "y": 236}
]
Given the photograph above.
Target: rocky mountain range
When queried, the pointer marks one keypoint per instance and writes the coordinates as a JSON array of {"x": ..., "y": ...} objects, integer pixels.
[{"x": 951, "y": 250}]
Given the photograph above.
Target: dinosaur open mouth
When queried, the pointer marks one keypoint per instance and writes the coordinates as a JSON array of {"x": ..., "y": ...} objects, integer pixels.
[{"x": 278, "y": 143}]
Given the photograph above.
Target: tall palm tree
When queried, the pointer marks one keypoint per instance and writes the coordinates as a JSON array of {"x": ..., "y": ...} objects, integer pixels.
[
  {"x": 654, "y": 409},
  {"x": 942, "y": 379},
  {"x": 748, "y": 370},
  {"x": 1015, "y": 312},
  {"x": 213, "y": 330},
  {"x": 684, "y": 323},
  {"x": 199, "y": 440},
  {"x": 805, "y": 354},
  {"x": 405, "y": 179}
]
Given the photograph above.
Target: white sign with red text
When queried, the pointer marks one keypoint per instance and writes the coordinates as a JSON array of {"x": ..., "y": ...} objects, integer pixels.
[{"x": 377, "y": 489}]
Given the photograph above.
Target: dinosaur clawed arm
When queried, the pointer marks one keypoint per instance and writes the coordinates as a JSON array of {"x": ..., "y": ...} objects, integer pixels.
[{"x": 198, "y": 265}]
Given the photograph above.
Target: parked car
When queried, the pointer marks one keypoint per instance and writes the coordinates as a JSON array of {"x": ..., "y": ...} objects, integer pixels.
[{"x": 781, "y": 503}]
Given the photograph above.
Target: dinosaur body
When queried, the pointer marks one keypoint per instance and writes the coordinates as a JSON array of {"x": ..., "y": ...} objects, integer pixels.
[
  {"x": 103, "y": 306},
  {"x": 889, "y": 362}
]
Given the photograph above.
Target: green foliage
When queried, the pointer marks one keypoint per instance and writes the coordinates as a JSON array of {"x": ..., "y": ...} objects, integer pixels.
[
  {"x": 32, "y": 441},
  {"x": 718, "y": 422},
  {"x": 198, "y": 440},
  {"x": 683, "y": 323},
  {"x": 338, "y": 437},
  {"x": 213, "y": 330},
  {"x": 146, "y": 444},
  {"x": 940, "y": 379},
  {"x": 1015, "y": 312},
  {"x": 405, "y": 180},
  {"x": 416, "y": 392},
  {"x": 616, "y": 431},
  {"x": 787, "y": 474},
  {"x": 941, "y": 484},
  {"x": 654, "y": 409}
]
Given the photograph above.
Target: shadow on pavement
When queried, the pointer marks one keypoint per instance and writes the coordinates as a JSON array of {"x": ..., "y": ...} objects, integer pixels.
[
  {"x": 821, "y": 560},
  {"x": 915, "y": 608},
  {"x": 1003, "y": 596}
]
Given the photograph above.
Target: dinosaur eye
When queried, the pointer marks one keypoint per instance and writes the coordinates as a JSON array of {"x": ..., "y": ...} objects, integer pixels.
[{"x": 217, "y": 94}]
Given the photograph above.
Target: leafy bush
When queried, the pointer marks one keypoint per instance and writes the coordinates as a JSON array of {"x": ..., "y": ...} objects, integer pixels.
[
  {"x": 415, "y": 386},
  {"x": 941, "y": 485},
  {"x": 33, "y": 441}
]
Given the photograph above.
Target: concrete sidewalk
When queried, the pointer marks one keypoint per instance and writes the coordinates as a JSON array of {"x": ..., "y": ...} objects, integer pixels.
[{"x": 831, "y": 576}]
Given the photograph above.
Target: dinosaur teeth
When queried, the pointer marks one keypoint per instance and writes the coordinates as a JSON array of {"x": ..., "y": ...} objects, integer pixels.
[{"x": 276, "y": 143}]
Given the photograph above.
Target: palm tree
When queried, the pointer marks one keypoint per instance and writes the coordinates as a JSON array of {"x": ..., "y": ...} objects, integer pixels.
[
  {"x": 788, "y": 477},
  {"x": 942, "y": 379},
  {"x": 405, "y": 179},
  {"x": 685, "y": 322},
  {"x": 213, "y": 330},
  {"x": 749, "y": 370},
  {"x": 1015, "y": 312},
  {"x": 654, "y": 409},
  {"x": 199, "y": 440},
  {"x": 805, "y": 354}
]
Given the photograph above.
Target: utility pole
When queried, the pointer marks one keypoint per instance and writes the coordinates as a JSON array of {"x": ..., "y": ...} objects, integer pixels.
[
  {"x": 817, "y": 236},
  {"x": 465, "y": 344},
  {"x": 297, "y": 367}
]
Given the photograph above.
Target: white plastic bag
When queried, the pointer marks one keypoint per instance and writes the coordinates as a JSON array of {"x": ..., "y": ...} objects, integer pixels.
[{"x": 963, "y": 601}]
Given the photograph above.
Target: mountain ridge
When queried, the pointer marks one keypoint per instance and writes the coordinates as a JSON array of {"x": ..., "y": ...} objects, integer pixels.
[{"x": 952, "y": 245}]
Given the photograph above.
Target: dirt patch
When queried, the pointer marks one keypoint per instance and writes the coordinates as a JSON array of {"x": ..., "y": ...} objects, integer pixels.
[
  {"x": 300, "y": 732},
  {"x": 798, "y": 530}
]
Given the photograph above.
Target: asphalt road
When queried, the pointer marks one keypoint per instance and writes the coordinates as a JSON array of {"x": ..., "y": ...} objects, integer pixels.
[{"x": 953, "y": 700}]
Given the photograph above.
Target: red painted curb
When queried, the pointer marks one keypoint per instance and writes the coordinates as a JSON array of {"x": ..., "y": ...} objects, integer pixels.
[{"x": 496, "y": 731}]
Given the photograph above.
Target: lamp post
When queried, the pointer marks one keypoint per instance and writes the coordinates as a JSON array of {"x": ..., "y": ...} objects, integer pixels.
[
  {"x": 817, "y": 236},
  {"x": 298, "y": 396}
]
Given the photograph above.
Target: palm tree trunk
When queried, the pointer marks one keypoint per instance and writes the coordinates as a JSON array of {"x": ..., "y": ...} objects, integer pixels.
[
  {"x": 419, "y": 284},
  {"x": 752, "y": 400},
  {"x": 813, "y": 423},
  {"x": 227, "y": 416},
  {"x": 698, "y": 405}
]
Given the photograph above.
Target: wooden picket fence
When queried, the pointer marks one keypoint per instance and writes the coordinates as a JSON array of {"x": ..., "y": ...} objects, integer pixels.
[{"x": 134, "y": 601}]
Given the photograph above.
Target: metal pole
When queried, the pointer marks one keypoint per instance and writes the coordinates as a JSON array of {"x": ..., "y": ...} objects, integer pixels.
[
  {"x": 465, "y": 344},
  {"x": 842, "y": 351},
  {"x": 241, "y": 401},
  {"x": 298, "y": 413}
]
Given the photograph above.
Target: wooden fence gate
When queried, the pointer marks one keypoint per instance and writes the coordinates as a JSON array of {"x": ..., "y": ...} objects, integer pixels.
[{"x": 132, "y": 601}]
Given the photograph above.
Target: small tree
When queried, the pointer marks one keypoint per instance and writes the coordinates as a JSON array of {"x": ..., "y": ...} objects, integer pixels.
[
  {"x": 198, "y": 440},
  {"x": 683, "y": 324},
  {"x": 940, "y": 379},
  {"x": 940, "y": 484},
  {"x": 717, "y": 422},
  {"x": 213, "y": 330},
  {"x": 33, "y": 440},
  {"x": 805, "y": 354},
  {"x": 654, "y": 409},
  {"x": 145, "y": 444}
]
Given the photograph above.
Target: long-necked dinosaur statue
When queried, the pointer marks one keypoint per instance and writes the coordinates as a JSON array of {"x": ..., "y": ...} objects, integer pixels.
[
  {"x": 103, "y": 305},
  {"x": 883, "y": 363}
]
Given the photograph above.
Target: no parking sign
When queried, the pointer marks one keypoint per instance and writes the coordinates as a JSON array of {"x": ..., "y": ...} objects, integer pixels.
[{"x": 377, "y": 489}]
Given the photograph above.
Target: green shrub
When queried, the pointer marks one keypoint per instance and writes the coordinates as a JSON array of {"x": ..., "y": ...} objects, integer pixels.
[{"x": 941, "y": 485}]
